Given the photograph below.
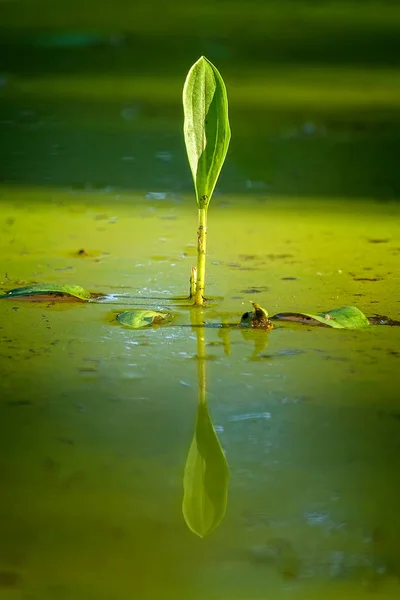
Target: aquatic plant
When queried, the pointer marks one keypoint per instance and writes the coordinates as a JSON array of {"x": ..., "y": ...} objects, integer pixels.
[{"x": 207, "y": 134}]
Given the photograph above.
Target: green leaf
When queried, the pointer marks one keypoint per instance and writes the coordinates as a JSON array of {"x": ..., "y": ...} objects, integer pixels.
[
  {"x": 206, "y": 128},
  {"x": 136, "y": 319},
  {"x": 347, "y": 317},
  {"x": 33, "y": 290},
  {"x": 206, "y": 478}
]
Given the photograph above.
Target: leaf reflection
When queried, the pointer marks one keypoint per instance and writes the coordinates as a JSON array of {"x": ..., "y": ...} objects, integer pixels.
[{"x": 206, "y": 475}]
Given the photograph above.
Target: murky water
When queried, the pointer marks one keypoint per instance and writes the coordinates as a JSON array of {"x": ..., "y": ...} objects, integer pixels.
[{"x": 96, "y": 420}]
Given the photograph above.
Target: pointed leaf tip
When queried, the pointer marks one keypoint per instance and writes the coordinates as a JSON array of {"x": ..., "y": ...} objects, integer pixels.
[
  {"x": 45, "y": 289},
  {"x": 206, "y": 126}
]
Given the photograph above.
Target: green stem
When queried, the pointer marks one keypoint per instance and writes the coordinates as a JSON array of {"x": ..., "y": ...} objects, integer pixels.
[
  {"x": 193, "y": 282},
  {"x": 201, "y": 256},
  {"x": 197, "y": 320}
]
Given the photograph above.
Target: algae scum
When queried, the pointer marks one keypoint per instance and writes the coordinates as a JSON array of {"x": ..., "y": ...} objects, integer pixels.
[
  {"x": 121, "y": 448},
  {"x": 96, "y": 419}
]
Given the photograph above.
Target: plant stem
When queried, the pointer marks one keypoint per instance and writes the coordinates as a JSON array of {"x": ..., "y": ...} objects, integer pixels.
[
  {"x": 192, "y": 282},
  {"x": 201, "y": 256},
  {"x": 197, "y": 321}
]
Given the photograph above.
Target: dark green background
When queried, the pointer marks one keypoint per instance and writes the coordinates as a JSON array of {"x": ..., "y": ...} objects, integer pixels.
[{"x": 342, "y": 141}]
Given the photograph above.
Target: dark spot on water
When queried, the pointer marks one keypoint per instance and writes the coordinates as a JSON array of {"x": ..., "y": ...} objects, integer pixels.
[
  {"x": 394, "y": 353},
  {"x": 288, "y": 278},
  {"x": 248, "y": 256},
  {"x": 358, "y": 294},
  {"x": 16, "y": 308},
  {"x": 82, "y": 252},
  {"x": 10, "y": 579},
  {"x": 367, "y": 278},
  {"x": 289, "y": 352},
  {"x": 254, "y": 290},
  {"x": 378, "y": 241},
  {"x": 279, "y": 256}
]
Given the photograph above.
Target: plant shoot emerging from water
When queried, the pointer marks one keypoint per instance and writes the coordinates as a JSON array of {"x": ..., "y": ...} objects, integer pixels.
[{"x": 207, "y": 135}]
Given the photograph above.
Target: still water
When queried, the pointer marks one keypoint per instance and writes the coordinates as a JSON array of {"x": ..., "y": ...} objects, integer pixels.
[{"x": 96, "y": 420}]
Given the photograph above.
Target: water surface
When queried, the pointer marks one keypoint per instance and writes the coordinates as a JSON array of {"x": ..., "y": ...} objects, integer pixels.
[{"x": 96, "y": 420}]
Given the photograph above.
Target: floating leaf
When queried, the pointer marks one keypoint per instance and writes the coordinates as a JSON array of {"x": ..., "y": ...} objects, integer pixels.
[
  {"x": 257, "y": 318},
  {"x": 206, "y": 478},
  {"x": 33, "y": 290},
  {"x": 136, "y": 319},
  {"x": 206, "y": 128},
  {"x": 347, "y": 317}
]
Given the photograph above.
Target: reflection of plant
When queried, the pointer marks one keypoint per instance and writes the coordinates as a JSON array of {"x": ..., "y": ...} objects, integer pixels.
[
  {"x": 206, "y": 475},
  {"x": 207, "y": 135}
]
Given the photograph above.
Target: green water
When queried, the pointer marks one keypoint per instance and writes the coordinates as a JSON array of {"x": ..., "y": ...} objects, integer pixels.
[{"x": 96, "y": 420}]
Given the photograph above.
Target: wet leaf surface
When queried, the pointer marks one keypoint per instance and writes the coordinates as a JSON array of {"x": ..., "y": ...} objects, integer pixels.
[
  {"x": 136, "y": 319},
  {"x": 347, "y": 317},
  {"x": 206, "y": 128},
  {"x": 75, "y": 291}
]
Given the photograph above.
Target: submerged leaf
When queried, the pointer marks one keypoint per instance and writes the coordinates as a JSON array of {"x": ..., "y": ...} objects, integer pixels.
[
  {"x": 206, "y": 128},
  {"x": 206, "y": 478},
  {"x": 347, "y": 317},
  {"x": 52, "y": 288},
  {"x": 136, "y": 319}
]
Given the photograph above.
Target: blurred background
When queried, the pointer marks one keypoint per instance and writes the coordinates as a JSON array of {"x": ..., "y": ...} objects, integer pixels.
[{"x": 90, "y": 93}]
